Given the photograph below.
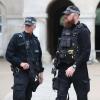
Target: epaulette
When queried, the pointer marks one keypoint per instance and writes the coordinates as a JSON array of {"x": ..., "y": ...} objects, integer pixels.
[{"x": 18, "y": 34}]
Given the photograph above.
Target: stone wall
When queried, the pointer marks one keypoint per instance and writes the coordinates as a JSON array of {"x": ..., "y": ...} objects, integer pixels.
[{"x": 11, "y": 19}]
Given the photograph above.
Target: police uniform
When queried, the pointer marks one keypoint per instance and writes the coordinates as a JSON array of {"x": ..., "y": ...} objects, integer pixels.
[
  {"x": 17, "y": 53},
  {"x": 80, "y": 78}
]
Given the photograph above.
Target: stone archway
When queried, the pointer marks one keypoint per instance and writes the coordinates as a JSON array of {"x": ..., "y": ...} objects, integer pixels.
[
  {"x": 97, "y": 32},
  {"x": 54, "y": 10}
]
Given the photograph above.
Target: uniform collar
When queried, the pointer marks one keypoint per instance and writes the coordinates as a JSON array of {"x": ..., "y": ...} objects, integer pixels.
[
  {"x": 77, "y": 23},
  {"x": 28, "y": 35}
]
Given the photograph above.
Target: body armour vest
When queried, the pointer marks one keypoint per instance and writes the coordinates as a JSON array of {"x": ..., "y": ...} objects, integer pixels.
[{"x": 68, "y": 45}]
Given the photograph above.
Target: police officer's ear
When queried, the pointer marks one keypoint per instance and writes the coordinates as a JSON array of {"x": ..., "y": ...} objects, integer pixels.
[
  {"x": 34, "y": 26},
  {"x": 76, "y": 16}
]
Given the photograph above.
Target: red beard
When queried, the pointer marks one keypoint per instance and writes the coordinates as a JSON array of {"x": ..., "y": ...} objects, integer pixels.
[{"x": 69, "y": 24}]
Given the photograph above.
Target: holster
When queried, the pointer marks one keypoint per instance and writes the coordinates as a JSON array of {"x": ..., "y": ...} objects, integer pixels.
[
  {"x": 34, "y": 85},
  {"x": 55, "y": 83},
  {"x": 14, "y": 68},
  {"x": 33, "y": 74}
]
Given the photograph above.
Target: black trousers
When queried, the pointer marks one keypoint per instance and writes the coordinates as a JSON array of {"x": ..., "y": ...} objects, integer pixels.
[
  {"x": 81, "y": 86},
  {"x": 22, "y": 86}
]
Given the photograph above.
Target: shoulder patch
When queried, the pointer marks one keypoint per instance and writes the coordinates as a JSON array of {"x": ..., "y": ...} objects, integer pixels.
[{"x": 19, "y": 34}]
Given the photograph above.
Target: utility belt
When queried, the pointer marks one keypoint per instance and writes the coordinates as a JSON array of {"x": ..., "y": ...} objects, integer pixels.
[
  {"x": 34, "y": 82},
  {"x": 64, "y": 58},
  {"x": 15, "y": 69}
]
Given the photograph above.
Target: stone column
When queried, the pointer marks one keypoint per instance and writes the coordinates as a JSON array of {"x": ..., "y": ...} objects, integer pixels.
[{"x": 89, "y": 20}]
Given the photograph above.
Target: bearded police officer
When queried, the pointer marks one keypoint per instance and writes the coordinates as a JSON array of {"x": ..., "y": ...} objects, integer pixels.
[
  {"x": 24, "y": 54},
  {"x": 72, "y": 55}
]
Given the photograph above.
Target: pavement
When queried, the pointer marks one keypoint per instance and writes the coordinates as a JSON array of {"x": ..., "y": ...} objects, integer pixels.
[{"x": 44, "y": 91}]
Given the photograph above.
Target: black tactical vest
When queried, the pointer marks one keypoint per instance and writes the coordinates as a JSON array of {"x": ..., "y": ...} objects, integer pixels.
[
  {"x": 68, "y": 46},
  {"x": 30, "y": 46}
]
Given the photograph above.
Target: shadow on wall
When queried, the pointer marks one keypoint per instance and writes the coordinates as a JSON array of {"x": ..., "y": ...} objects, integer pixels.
[{"x": 54, "y": 10}]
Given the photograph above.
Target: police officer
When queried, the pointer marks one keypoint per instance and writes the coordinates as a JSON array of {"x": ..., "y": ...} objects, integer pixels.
[
  {"x": 74, "y": 47},
  {"x": 17, "y": 55}
]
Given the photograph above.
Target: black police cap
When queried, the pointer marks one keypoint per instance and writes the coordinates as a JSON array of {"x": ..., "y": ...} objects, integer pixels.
[
  {"x": 30, "y": 21},
  {"x": 72, "y": 9}
]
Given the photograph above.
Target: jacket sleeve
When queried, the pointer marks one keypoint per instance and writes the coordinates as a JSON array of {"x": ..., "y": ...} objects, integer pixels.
[
  {"x": 84, "y": 47},
  {"x": 40, "y": 59},
  {"x": 11, "y": 52}
]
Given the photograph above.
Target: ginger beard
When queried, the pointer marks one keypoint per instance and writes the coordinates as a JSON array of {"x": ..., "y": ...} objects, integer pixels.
[{"x": 69, "y": 21}]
